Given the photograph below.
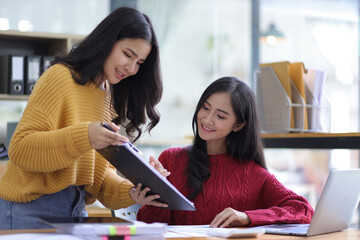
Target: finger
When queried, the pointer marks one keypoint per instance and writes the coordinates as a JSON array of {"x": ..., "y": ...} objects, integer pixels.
[
  {"x": 142, "y": 194},
  {"x": 158, "y": 204},
  {"x": 133, "y": 194},
  {"x": 151, "y": 197},
  {"x": 116, "y": 138},
  {"x": 227, "y": 222},
  {"x": 165, "y": 173},
  {"x": 220, "y": 218},
  {"x": 216, "y": 221},
  {"x": 111, "y": 132},
  {"x": 138, "y": 187},
  {"x": 115, "y": 127}
]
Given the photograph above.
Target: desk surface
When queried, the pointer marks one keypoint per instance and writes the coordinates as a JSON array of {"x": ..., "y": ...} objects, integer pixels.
[{"x": 349, "y": 234}]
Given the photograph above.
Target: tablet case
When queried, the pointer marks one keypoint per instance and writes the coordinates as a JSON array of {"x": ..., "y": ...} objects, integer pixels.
[{"x": 130, "y": 163}]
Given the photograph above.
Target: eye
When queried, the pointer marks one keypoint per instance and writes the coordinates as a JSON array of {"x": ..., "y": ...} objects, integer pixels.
[
  {"x": 221, "y": 117},
  {"x": 126, "y": 54},
  {"x": 205, "y": 108}
]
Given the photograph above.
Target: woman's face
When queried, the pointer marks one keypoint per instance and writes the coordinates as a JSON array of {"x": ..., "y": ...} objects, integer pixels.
[
  {"x": 216, "y": 118},
  {"x": 125, "y": 59}
]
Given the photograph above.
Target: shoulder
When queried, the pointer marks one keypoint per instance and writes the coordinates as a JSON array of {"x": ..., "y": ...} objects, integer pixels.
[
  {"x": 173, "y": 156},
  {"x": 55, "y": 76},
  {"x": 258, "y": 172},
  {"x": 177, "y": 152}
]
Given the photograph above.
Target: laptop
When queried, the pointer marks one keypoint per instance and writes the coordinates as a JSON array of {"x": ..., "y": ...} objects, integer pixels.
[{"x": 334, "y": 210}]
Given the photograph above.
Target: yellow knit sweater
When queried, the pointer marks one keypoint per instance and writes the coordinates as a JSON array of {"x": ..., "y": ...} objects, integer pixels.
[{"x": 50, "y": 148}]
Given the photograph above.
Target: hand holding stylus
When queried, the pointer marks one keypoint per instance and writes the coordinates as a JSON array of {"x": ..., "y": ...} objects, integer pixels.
[{"x": 101, "y": 136}]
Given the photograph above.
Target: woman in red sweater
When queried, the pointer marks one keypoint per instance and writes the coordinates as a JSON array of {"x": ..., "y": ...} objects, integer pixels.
[{"x": 224, "y": 171}]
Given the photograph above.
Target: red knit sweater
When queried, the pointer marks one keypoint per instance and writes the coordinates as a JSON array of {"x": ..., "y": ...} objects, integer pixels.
[{"x": 245, "y": 187}]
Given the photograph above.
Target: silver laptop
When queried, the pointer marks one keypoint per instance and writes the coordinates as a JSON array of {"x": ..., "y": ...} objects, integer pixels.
[{"x": 334, "y": 210}]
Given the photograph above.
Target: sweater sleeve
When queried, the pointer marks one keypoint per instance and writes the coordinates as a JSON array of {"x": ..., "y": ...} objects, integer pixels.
[
  {"x": 36, "y": 140},
  {"x": 114, "y": 192},
  {"x": 277, "y": 204}
]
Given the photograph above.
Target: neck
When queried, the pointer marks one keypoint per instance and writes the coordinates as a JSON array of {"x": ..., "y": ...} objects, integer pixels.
[{"x": 216, "y": 147}]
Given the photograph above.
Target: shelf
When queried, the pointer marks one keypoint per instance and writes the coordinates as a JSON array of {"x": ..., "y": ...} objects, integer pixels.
[
  {"x": 32, "y": 43},
  {"x": 12, "y": 97},
  {"x": 312, "y": 140},
  {"x": 36, "y": 43}
]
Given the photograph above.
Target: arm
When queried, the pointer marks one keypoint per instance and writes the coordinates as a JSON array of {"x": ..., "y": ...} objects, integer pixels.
[
  {"x": 44, "y": 140},
  {"x": 269, "y": 202},
  {"x": 115, "y": 190},
  {"x": 35, "y": 142},
  {"x": 281, "y": 205}
]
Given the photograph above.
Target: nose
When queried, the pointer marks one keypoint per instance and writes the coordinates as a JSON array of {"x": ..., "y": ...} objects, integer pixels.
[
  {"x": 131, "y": 68},
  {"x": 209, "y": 119}
]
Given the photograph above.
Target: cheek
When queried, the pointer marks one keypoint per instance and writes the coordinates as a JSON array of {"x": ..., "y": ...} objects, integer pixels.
[{"x": 201, "y": 114}]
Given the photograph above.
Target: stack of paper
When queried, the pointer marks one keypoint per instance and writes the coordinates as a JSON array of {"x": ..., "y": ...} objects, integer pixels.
[{"x": 106, "y": 228}]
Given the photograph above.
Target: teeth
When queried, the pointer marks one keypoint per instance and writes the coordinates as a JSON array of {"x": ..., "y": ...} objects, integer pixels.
[
  {"x": 207, "y": 128},
  {"x": 120, "y": 73}
]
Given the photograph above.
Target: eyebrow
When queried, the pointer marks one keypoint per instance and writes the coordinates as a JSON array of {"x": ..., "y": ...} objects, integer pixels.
[
  {"x": 135, "y": 54},
  {"x": 218, "y": 109}
]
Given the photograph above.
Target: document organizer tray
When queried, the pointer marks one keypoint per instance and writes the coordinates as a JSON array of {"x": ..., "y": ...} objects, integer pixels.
[{"x": 275, "y": 106}]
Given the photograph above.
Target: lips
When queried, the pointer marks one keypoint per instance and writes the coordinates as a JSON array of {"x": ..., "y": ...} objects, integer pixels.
[
  {"x": 206, "y": 129},
  {"x": 119, "y": 74}
]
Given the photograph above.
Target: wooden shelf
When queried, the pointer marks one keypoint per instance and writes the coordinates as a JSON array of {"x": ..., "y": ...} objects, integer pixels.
[
  {"x": 11, "y": 97},
  {"x": 36, "y": 43},
  {"x": 312, "y": 140}
]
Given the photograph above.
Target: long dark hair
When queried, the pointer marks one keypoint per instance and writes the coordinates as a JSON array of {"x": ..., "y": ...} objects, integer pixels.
[
  {"x": 244, "y": 145},
  {"x": 134, "y": 98}
]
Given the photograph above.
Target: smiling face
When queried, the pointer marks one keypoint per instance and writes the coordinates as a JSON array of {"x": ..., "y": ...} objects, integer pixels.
[
  {"x": 215, "y": 120},
  {"x": 125, "y": 59}
]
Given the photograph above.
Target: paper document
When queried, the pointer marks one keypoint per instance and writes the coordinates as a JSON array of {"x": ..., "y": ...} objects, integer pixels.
[{"x": 38, "y": 236}]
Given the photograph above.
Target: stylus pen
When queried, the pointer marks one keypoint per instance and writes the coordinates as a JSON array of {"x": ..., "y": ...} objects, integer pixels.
[{"x": 130, "y": 144}]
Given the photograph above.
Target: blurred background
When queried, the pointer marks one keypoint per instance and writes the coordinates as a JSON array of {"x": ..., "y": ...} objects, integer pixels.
[{"x": 202, "y": 40}]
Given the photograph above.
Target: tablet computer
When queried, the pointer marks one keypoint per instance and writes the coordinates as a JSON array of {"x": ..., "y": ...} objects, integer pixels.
[{"x": 127, "y": 160}]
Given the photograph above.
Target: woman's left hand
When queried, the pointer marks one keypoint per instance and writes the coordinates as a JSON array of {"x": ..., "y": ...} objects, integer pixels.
[
  {"x": 159, "y": 167},
  {"x": 139, "y": 196},
  {"x": 229, "y": 217}
]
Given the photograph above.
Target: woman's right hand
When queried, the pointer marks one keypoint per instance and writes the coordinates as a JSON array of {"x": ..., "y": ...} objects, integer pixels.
[{"x": 101, "y": 137}]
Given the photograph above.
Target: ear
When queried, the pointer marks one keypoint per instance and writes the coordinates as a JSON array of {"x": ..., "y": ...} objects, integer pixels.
[{"x": 238, "y": 126}]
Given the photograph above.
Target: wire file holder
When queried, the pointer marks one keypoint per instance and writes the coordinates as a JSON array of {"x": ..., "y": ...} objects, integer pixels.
[{"x": 280, "y": 114}]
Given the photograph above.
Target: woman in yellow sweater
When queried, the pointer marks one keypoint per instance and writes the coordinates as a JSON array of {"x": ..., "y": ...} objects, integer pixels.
[{"x": 113, "y": 76}]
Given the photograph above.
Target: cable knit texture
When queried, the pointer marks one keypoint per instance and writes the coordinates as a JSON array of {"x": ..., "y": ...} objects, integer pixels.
[
  {"x": 245, "y": 187},
  {"x": 50, "y": 148}
]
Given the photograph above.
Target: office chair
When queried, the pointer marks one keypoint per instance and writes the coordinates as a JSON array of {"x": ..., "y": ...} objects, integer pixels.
[{"x": 128, "y": 213}]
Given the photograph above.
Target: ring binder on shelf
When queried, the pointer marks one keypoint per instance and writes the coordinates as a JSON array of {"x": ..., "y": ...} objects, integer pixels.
[
  {"x": 12, "y": 74},
  {"x": 45, "y": 63},
  {"x": 32, "y": 72},
  {"x": 275, "y": 106}
]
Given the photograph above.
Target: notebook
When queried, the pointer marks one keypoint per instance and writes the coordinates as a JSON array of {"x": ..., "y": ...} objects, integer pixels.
[
  {"x": 334, "y": 210},
  {"x": 127, "y": 160}
]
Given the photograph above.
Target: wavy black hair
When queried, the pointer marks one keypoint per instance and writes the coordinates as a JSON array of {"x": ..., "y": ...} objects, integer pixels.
[
  {"x": 135, "y": 97},
  {"x": 244, "y": 145}
]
